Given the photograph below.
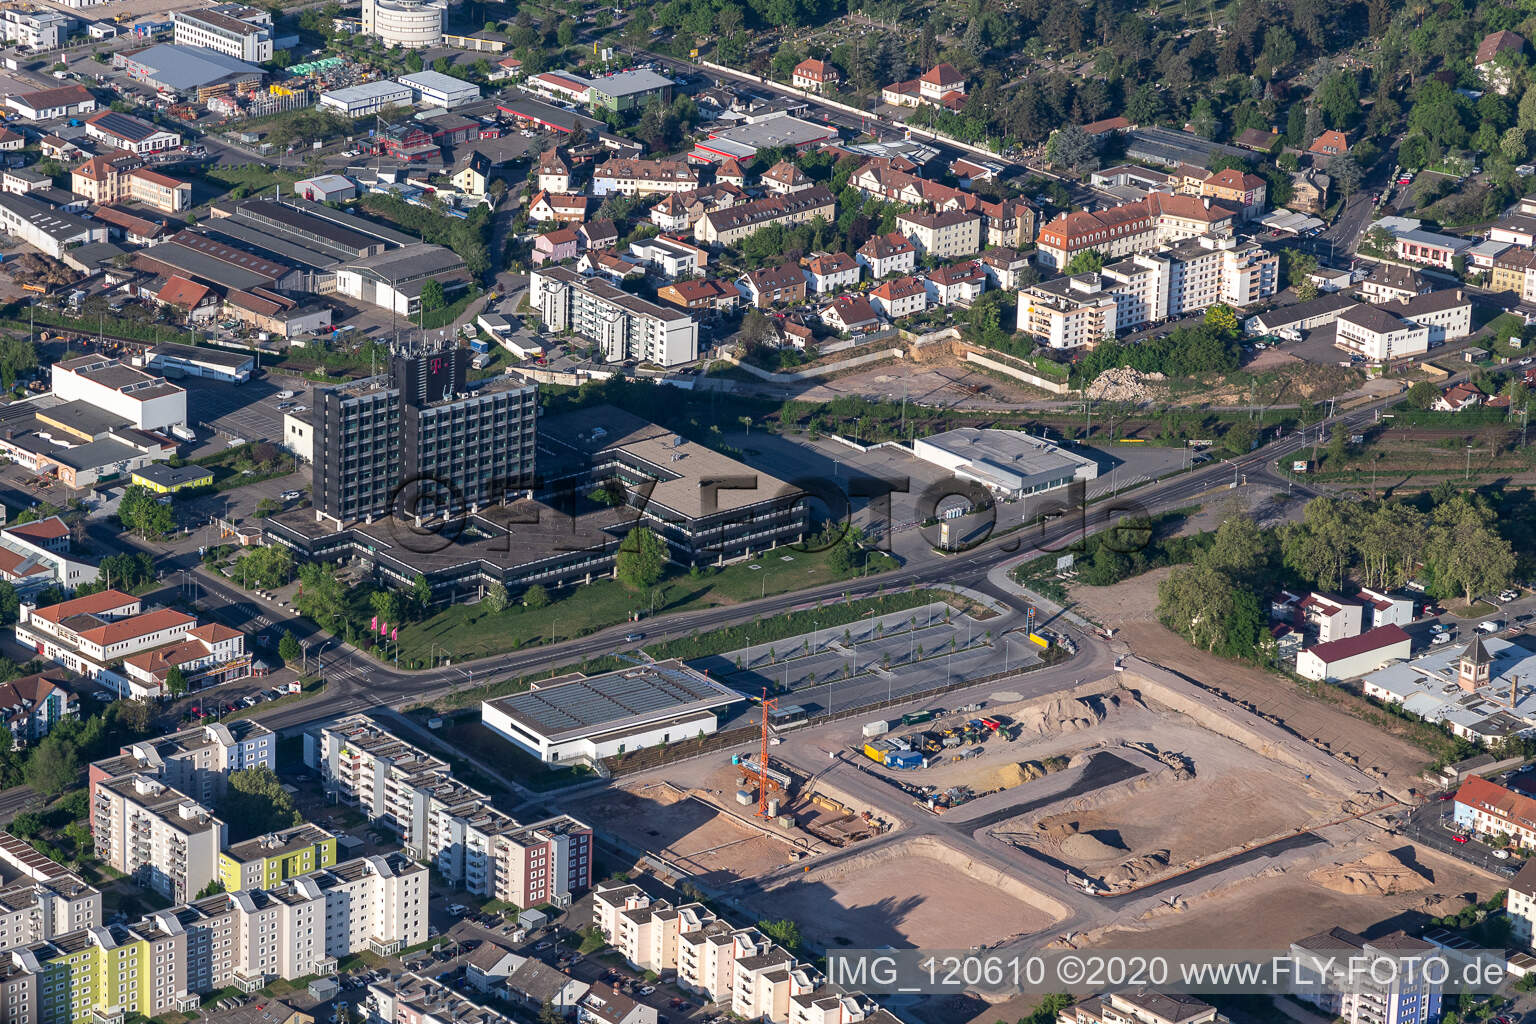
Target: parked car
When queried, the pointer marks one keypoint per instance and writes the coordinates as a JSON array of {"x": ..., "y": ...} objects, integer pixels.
[
  {"x": 1459, "y": 839},
  {"x": 1501, "y": 854}
]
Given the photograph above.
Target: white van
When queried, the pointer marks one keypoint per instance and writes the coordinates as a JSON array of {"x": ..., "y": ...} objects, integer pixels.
[{"x": 1490, "y": 626}]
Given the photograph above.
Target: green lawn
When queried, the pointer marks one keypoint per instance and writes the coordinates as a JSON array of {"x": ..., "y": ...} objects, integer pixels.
[{"x": 464, "y": 632}]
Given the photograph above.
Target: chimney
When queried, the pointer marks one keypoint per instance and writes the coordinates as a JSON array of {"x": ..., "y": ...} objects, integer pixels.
[
  {"x": 1207, "y": 202},
  {"x": 1514, "y": 690}
]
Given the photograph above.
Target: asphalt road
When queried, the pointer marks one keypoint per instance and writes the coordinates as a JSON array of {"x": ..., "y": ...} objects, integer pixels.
[{"x": 357, "y": 682}]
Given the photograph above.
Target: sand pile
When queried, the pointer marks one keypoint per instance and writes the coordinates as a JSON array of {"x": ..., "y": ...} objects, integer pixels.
[
  {"x": 1137, "y": 869},
  {"x": 1010, "y": 775},
  {"x": 1067, "y": 714},
  {"x": 1123, "y": 384},
  {"x": 1086, "y": 847},
  {"x": 1380, "y": 874}
]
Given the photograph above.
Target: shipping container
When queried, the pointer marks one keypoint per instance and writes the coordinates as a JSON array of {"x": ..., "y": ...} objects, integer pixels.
[
  {"x": 874, "y": 753},
  {"x": 876, "y": 728},
  {"x": 916, "y": 717},
  {"x": 904, "y": 759}
]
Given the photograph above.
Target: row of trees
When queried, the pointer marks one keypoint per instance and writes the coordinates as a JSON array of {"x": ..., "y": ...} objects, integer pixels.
[
  {"x": 1381, "y": 545},
  {"x": 141, "y": 511},
  {"x": 1210, "y": 347}
]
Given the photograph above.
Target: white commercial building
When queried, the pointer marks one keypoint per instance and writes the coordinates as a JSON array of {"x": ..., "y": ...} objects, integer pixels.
[
  {"x": 40, "y": 29},
  {"x": 409, "y": 24},
  {"x": 1378, "y": 336},
  {"x": 367, "y": 99},
  {"x": 435, "y": 89},
  {"x": 1009, "y": 463},
  {"x": 1355, "y": 655},
  {"x": 232, "y": 29},
  {"x": 147, "y": 402},
  {"x": 44, "y": 228},
  {"x": 624, "y": 325},
  {"x": 574, "y": 718}
]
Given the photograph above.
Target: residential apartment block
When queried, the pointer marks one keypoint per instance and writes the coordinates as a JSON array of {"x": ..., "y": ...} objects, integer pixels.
[
  {"x": 624, "y": 325},
  {"x": 32, "y": 705},
  {"x": 1403, "y": 994},
  {"x": 1520, "y": 904},
  {"x": 739, "y": 968},
  {"x": 441, "y": 820},
  {"x": 157, "y": 835},
  {"x": 1176, "y": 280},
  {"x": 885, "y": 255},
  {"x": 1141, "y": 1006},
  {"x": 634, "y": 177},
  {"x": 195, "y": 761},
  {"x": 1131, "y": 228},
  {"x": 731, "y": 225},
  {"x": 946, "y": 235},
  {"x": 40, "y": 898},
  {"x": 265, "y": 862}
]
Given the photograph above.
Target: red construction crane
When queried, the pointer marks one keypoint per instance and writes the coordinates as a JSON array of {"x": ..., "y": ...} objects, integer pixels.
[{"x": 762, "y": 757}]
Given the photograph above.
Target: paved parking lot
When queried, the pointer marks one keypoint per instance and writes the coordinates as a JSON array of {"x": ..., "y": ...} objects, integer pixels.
[
  {"x": 899, "y": 653},
  {"x": 247, "y": 411}
]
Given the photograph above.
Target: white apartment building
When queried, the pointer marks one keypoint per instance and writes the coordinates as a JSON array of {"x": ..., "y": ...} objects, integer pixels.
[
  {"x": 631, "y": 176},
  {"x": 37, "y": 553},
  {"x": 1176, "y": 280},
  {"x": 160, "y": 837},
  {"x": 1068, "y": 313},
  {"x": 830, "y": 273},
  {"x": 235, "y": 30},
  {"x": 947, "y": 234},
  {"x": 1520, "y": 904},
  {"x": 739, "y": 967},
  {"x": 40, "y": 898},
  {"x": 35, "y": 29},
  {"x": 1447, "y": 315},
  {"x": 195, "y": 761},
  {"x": 441, "y": 820},
  {"x": 624, "y": 326},
  {"x": 146, "y": 401},
  {"x": 888, "y": 254}
]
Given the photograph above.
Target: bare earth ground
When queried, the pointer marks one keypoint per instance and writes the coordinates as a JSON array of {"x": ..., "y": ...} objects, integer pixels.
[
  {"x": 930, "y": 382},
  {"x": 1268, "y": 913},
  {"x": 1130, "y": 608},
  {"x": 902, "y": 898},
  {"x": 710, "y": 845}
]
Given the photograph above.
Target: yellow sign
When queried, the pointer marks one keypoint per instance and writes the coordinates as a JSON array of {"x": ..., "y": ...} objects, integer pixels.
[
  {"x": 1042, "y": 641},
  {"x": 693, "y": 52}
]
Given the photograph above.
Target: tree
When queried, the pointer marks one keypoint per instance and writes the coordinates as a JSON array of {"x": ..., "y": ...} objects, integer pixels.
[
  {"x": 1222, "y": 317},
  {"x": 536, "y": 597},
  {"x": 214, "y": 887},
  {"x": 1422, "y": 395},
  {"x": 289, "y": 650},
  {"x": 53, "y": 767},
  {"x": 1087, "y": 261},
  {"x": 495, "y": 599},
  {"x": 1346, "y": 175},
  {"x": 257, "y": 803},
  {"x": 641, "y": 559},
  {"x": 1195, "y": 602},
  {"x": 421, "y": 594},
  {"x": 1465, "y": 553},
  {"x": 784, "y": 931},
  {"x": 1338, "y": 99},
  {"x": 10, "y": 603},
  {"x": 1320, "y": 547},
  {"x": 432, "y": 297},
  {"x": 175, "y": 681},
  {"x": 1071, "y": 148}
]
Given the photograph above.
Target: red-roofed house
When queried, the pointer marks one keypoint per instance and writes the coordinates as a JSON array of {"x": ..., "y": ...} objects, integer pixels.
[
  {"x": 940, "y": 82},
  {"x": 1106, "y": 126},
  {"x": 1334, "y": 618},
  {"x": 555, "y": 246},
  {"x": 1383, "y": 609},
  {"x": 37, "y": 554},
  {"x": 197, "y": 301},
  {"x": 831, "y": 272},
  {"x": 850, "y": 314},
  {"x": 1329, "y": 143},
  {"x": 903, "y": 296},
  {"x": 1355, "y": 655},
  {"x": 558, "y": 207},
  {"x": 1487, "y": 63},
  {"x": 32, "y": 705},
  {"x": 98, "y": 636},
  {"x": 814, "y": 76},
  {"x": 888, "y": 254},
  {"x": 1246, "y": 192},
  {"x": 1489, "y": 809},
  {"x": 1458, "y": 397},
  {"x": 700, "y": 294},
  {"x": 959, "y": 284}
]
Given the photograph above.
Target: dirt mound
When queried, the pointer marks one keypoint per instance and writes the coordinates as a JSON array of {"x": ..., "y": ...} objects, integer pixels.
[
  {"x": 1067, "y": 714},
  {"x": 1123, "y": 384},
  {"x": 1380, "y": 874},
  {"x": 1137, "y": 869},
  {"x": 1058, "y": 829},
  {"x": 1086, "y": 848}
]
